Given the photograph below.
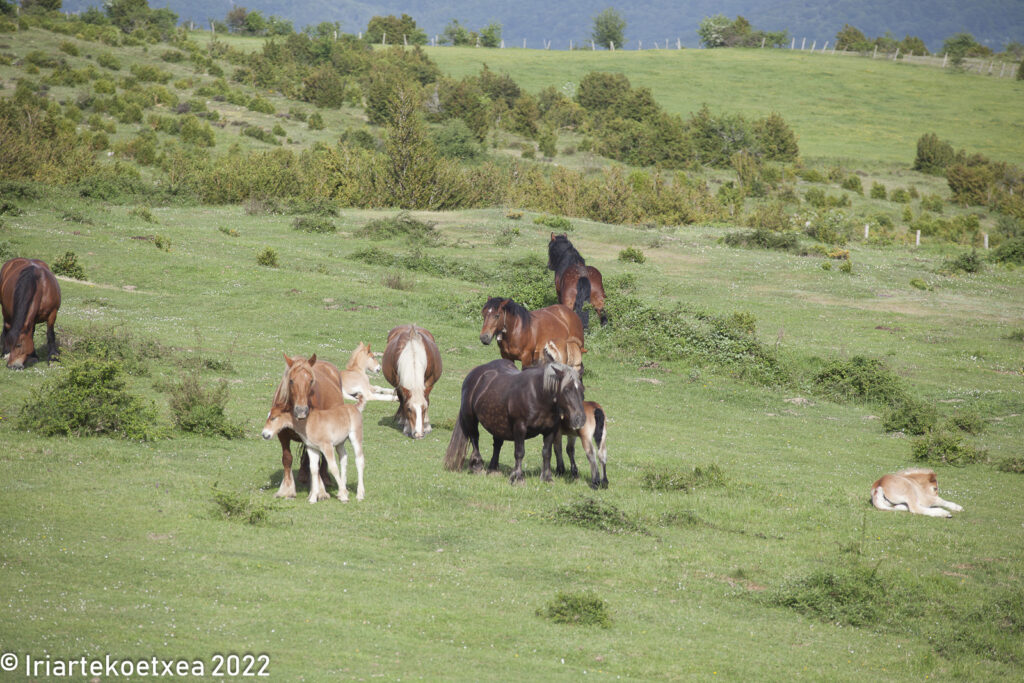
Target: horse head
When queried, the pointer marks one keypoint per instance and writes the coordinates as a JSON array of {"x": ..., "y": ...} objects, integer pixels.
[
  {"x": 277, "y": 419},
  {"x": 494, "y": 320},
  {"x": 301, "y": 382},
  {"x": 22, "y": 347},
  {"x": 563, "y": 384},
  {"x": 365, "y": 359}
]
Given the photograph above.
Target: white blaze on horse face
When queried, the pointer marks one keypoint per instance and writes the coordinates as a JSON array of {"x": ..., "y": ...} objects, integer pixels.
[{"x": 419, "y": 421}]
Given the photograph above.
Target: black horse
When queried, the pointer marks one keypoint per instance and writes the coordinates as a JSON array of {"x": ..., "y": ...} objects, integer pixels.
[
  {"x": 575, "y": 281},
  {"x": 514, "y": 405}
]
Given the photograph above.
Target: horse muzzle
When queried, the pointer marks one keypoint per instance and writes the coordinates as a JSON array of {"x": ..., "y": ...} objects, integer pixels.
[
  {"x": 267, "y": 435},
  {"x": 300, "y": 412},
  {"x": 485, "y": 338},
  {"x": 577, "y": 421}
]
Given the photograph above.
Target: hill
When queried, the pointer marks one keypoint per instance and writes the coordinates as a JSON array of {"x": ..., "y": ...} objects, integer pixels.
[{"x": 992, "y": 22}]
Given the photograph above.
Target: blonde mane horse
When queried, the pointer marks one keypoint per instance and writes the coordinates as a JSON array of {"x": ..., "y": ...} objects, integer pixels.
[
  {"x": 354, "y": 381},
  {"x": 915, "y": 491},
  {"x": 412, "y": 364}
]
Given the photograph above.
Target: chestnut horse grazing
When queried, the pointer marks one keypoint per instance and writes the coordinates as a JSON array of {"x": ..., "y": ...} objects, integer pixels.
[
  {"x": 523, "y": 334},
  {"x": 355, "y": 383},
  {"x": 575, "y": 281},
  {"x": 914, "y": 490},
  {"x": 514, "y": 405},
  {"x": 305, "y": 383},
  {"x": 412, "y": 364},
  {"x": 30, "y": 295},
  {"x": 594, "y": 436},
  {"x": 325, "y": 431}
]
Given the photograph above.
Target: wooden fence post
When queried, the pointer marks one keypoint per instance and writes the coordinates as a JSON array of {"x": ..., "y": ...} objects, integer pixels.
[
  {"x": 803, "y": 42},
  {"x": 611, "y": 44},
  {"x": 865, "y": 231},
  {"x": 875, "y": 53},
  {"x": 986, "y": 240},
  {"x": 917, "y": 242},
  {"x": 814, "y": 45},
  {"x": 824, "y": 47},
  {"x": 640, "y": 45},
  {"x": 383, "y": 38},
  {"x": 524, "y": 43},
  {"x": 792, "y": 44},
  {"x": 944, "y": 57}
]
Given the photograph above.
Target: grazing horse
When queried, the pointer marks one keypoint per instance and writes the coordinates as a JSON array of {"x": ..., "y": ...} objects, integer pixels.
[
  {"x": 575, "y": 281},
  {"x": 914, "y": 490},
  {"x": 523, "y": 334},
  {"x": 325, "y": 431},
  {"x": 514, "y": 405},
  {"x": 305, "y": 383},
  {"x": 30, "y": 295},
  {"x": 594, "y": 437},
  {"x": 412, "y": 364},
  {"x": 355, "y": 383}
]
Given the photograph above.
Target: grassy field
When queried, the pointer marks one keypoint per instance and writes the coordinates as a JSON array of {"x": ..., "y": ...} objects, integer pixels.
[{"x": 118, "y": 547}]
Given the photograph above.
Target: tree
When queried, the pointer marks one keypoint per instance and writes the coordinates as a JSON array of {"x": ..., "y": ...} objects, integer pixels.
[
  {"x": 852, "y": 38},
  {"x": 456, "y": 34},
  {"x": 963, "y": 45},
  {"x": 235, "y": 18},
  {"x": 913, "y": 44},
  {"x": 40, "y": 5},
  {"x": 609, "y": 29},
  {"x": 490, "y": 35},
  {"x": 712, "y": 30},
  {"x": 394, "y": 29},
  {"x": 255, "y": 24}
]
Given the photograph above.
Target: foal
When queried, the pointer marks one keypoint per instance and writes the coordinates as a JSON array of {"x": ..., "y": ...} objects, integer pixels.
[
  {"x": 325, "y": 431},
  {"x": 354, "y": 381}
]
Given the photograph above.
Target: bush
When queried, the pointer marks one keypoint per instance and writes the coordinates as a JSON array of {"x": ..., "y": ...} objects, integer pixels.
[
  {"x": 528, "y": 283},
  {"x": 108, "y": 61},
  {"x": 260, "y": 134},
  {"x": 89, "y": 398},
  {"x": 68, "y": 266},
  {"x": 764, "y": 239},
  {"x": 683, "y": 480},
  {"x": 776, "y": 138},
  {"x": 771, "y": 216},
  {"x": 853, "y": 184},
  {"x": 910, "y": 416},
  {"x": 968, "y": 421},
  {"x": 852, "y": 595},
  {"x": 583, "y": 609},
  {"x": 932, "y": 202},
  {"x": 267, "y": 257},
  {"x": 200, "y": 409},
  {"x": 860, "y": 379},
  {"x": 454, "y": 140},
  {"x": 1010, "y": 251},
  {"x": 933, "y": 155},
  {"x": 899, "y": 196},
  {"x": 317, "y": 224},
  {"x": 632, "y": 255},
  {"x": 946, "y": 448},
  {"x": 315, "y": 121},
  {"x": 964, "y": 263},
  {"x": 554, "y": 222},
  {"x": 878, "y": 191},
  {"x": 244, "y": 508},
  {"x": 1011, "y": 465},
  {"x": 594, "y": 514},
  {"x": 401, "y": 225}
]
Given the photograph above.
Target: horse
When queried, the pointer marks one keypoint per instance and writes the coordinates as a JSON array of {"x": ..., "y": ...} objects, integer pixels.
[
  {"x": 305, "y": 383},
  {"x": 594, "y": 437},
  {"x": 575, "y": 281},
  {"x": 522, "y": 334},
  {"x": 514, "y": 405},
  {"x": 355, "y": 383},
  {"x": 29, "y": 295},
  {"x": 412, "y": 364},
  {"x": 915, "y": 491},
  {"x": 325, "y": 431}
]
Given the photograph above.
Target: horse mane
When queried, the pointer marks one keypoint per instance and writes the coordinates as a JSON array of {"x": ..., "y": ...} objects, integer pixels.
[
  {"x": 24, "y": 293},
  {"x": 282, "y": 395},
  {"x": 562, "y": 254},
  {"x": 551, "y": 382},
  {"x": 412, "y": 364},
  {"x": 512, "y": 307}
]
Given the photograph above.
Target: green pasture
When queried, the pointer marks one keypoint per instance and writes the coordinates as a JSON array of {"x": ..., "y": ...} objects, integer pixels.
[
  {"x": 839, "y": 106},
  {"x": 115, "y": 547}
]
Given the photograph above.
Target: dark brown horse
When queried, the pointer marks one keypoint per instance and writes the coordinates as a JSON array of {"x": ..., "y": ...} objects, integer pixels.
[
  {"x": 514, "y": 405},
  {"x": 30, "y": 295},
  {"x": 412, "y": 365},
  {"x": 575, "y": 281},
  {"x": 523, "y": 334},
  {"x": 306, "y": 383}
]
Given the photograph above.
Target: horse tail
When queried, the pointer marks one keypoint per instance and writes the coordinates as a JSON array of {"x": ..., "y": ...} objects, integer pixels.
[
  {"x": 361, "y": 402},
  {"x": 456, "y": 453},
  {"x": 582, "y": 296},
  {"x": 599, "y": 432},
  {"x": 24, "y": 302}
]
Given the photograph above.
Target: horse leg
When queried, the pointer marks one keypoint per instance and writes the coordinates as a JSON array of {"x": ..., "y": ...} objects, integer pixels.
[
  {"x": 343, "y": 476},
  {"x": 588, "y": 448},
  {"x": 51, "y": 339},
  {"x": 949, "y": 505},
  {"x": 517, "y": 476},
  {"x": 287, "y": 488},
  {"x": 560, "y": 464},
  {"x": 360, "y": 463},
  {"x": 472, "y": 429},
  {"x": 314, "y": 482},
  {"x": 493, "y": 467},
  {"x": 545, "y": 468},
  {"x": 570, "y": 449}
]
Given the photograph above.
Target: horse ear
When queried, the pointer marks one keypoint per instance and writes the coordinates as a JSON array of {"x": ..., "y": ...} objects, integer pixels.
[
  {"x": 312, "y": 359},
  {"x": 288, "y": 361},
  {"x": 552, "y": 237}
]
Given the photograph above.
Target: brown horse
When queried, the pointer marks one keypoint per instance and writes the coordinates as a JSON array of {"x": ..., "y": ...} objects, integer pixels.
[
  {"x": 523, "y": 334},
  {"x": 412, "y": 365},
  {"x": 575, "y": 281},
  {"x": 305, "y": 383},
  {"x": 325, "y": 431},
  {"x": 355, "y": 383},
  {"x": 514, "y": 405},
  {"x": 594, "y": 437},
  {"x": 30, "y": 295}
]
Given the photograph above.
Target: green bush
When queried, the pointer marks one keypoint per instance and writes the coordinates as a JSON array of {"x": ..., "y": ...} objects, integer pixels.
[
  {"x": 583, "y": 609},
  {"x": 258, "y": 104},
  {"x": 964, "y": 263},
  {"x": 771, "y": 216},
  {"x": 68, "y": 266},
  {"x": 1010, "y": 251},
  {"x": 594, "y": 514},
  {"x": 454, "y": 140},
  {"x": 946, "y": 448},
  {"x": 860, "y": 379},
  {"x": 315, "y": 121},
  {"x": 810, "y": 175},
  {"x": 554, "y": 222},
  {"x": 249, "y": 509},
  {"x": 267, "y": 257},
  {"x": 933, "y": 155},
  {"x": 401, "y": 225},
  {"x": 967, "y": 421},
  {"x": 108, "y": 61},
  {"x": 878, "y": 191},
  {"x": 1011, "y": 465},
  {"x": 316, "y": 224},
  {"x": 632, "y": 255},
  {"x": 260, "y": 134},
  {"x": 683, "y": 480},
  {"x": 932, "y": 202},
  {"x": 200, "y": 409},
  {"x": 528, "y": 282},
  {"x": 910, "y": 416},
  {"x": 853, "y": 184},
  {"x": 764, "y": 239},
  {"x": 89, "y": 398},
  {"x": 899, "y": 196},
  {"x": 776, "y": 139},
  {"x": 852, "y": 595}
]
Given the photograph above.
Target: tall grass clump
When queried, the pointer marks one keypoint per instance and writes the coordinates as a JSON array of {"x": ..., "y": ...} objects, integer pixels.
[
  {"x": 583, "y": 609},
  {"x": 401, "y": 225},
  {"x": 316, "y": 224},
  {"x": 710, "y": 476},
  {"x": 763, "y": 238},
  {"x": 244, "y": 508},
  {"x": 848, "y": 594},
  {"x": 593, "y": 514},
  {"x": 199, "y": 408},
  {"x": 89, "y": 398}
]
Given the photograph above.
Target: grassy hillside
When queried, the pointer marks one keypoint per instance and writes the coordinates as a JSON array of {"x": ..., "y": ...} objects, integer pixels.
[{"x": 839, "y": 107}]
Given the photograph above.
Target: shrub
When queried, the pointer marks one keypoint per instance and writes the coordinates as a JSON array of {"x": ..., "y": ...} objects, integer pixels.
[
  {"x": 267, "y": 257},
  {"x": 964, "y": 263},
  {"x": 108, "y": 61},
  {"x": 1011, "y": 465},
  {"x": 527, "y": 283},
  {"x": 1010, "y": 251},
  {"x": 455, "y": 140},
  {"x": 878, "y": 191},
  {"x": 970, "y": 185},
  {"x": 68, "y": 266},
  {"x": 594, "y": 514},
  {"x": 67, "y": 47},
  {"x": 632, "y": 255},
  {"x": 968, "y": 421},
  {"x": 554, "y": 222},
  {"x": 683, "y": 480},
  {"x": 910, "y": 416},
  {"x": 918, "y": 283},
  {"x": 771, "y": 216},
  {"x": 933, "y": 155},
  {"x": 810, "y": 175},
  {"x": 401, "y": 225},
  {"x": 860, "y": 379},
  {"x": 853, "y": 184},
  {"x": 899, "y": 196},
  {"x": 317, "y": 224},
  {"x": 244, "y": 508},
  {"x": 200, "y": 409},
  {"x": 315, "y": 121},
  {"x": 89, "y": 398},
  {"x": 776, "y": 138},
  {"x": 260, "y": 134},
  {"x": 763, "y": 239},
  {"x": 584, "y": 609},
  {"x": 946, "y": 448},
  {"x": 259, "y": 104},
  {"x": 932, "y": 202},
  {"x": 278, "y": 130}
]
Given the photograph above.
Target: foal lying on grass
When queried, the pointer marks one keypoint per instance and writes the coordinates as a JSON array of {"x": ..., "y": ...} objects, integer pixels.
[
  {"x": 325, "y": 431},
  {"x": 914, "y": 490}
]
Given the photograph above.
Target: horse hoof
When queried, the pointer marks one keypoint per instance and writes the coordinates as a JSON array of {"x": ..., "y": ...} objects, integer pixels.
[
  {"x": 517, "y": 478},
  {"x": 604, "y": 483},
  {"x": 594, "y": 485}
]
